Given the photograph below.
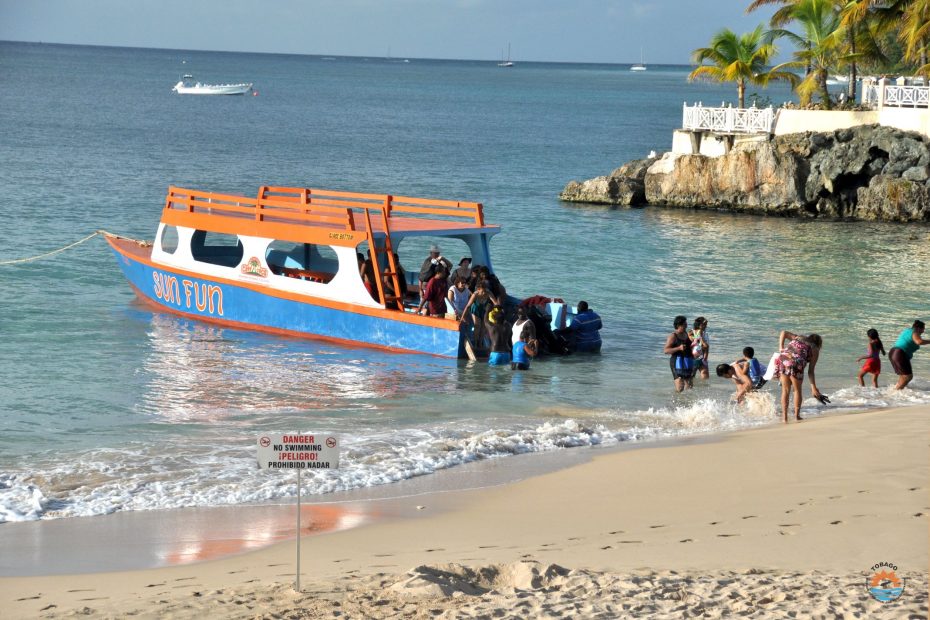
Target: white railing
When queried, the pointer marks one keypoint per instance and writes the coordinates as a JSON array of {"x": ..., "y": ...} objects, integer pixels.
[
  {"x": 882, "y": 93},
  {"x": 728, "y": 120}
]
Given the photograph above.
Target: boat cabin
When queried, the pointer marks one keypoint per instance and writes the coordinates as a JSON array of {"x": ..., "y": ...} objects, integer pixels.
[{"x": 307, "y": 241}]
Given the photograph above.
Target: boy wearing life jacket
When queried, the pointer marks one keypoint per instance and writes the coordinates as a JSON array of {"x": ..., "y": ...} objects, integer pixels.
[{"x": 753, "y": 368}]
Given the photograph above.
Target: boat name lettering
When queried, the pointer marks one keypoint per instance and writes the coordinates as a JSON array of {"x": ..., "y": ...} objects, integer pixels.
[
  {"x": 342, "y": 236},
  {"x": 254, "y": 268},
  {"x": 204, "y": 297}
]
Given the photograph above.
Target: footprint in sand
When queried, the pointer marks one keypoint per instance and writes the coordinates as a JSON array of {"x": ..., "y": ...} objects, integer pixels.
[
  {"x": 84, "y": 590},
  {"x": 630, "y": 542},
  {"x": 47, "y": 607},
  {"x": 789, "y": 525},
  {"x": 155, "y": 585},
  {"x": 726, "y": 535},
  {"x": 606, "y": 548},
  {"x": 918, "y": 514},
  {"x": 383, "y": 555},
  {"x": 575, "y": 538},
  {"x": 716, "y": 522},
  {"x": 910, "y": 489},
  {"x": 29, "y": 598},
  {"x": 836, "y": 497},
  {"x": 185, "y": 578},
  {"x": 617, "y": 532},
  {"x": 652, "y": 527},
  {"x": 686, "y": 540},
  {"x": 750, "y": 517},
  {"x": 431, "y": 550},
  {"x": 835, "y": 522},
  {"x": 273, "y": 565},
  {"x": 487, "y": 546}
]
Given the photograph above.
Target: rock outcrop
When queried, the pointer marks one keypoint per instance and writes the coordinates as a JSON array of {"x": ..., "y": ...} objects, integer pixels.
[
  {"x": 868, "y": 173},
  {"x": 624, "y": 186}
]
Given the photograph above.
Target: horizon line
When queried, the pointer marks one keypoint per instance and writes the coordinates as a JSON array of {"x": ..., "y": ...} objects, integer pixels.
[{"x": 316, "y": 54}]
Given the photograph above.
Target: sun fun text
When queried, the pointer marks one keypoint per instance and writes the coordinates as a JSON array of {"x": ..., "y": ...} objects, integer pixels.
[{"x": 205, "y": 297}]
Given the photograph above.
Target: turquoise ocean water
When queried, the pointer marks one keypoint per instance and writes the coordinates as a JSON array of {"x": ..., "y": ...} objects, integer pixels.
[{"x": 106, "y": 406}]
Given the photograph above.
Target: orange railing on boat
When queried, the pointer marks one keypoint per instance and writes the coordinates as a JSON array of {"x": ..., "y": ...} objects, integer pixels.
[
  {"x": 322, "y": 216},
  {"x": 310, "y": 208}
]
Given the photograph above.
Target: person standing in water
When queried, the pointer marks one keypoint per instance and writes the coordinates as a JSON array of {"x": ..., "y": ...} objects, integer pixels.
[
  {"x": 903, "y": 350},
  {"x": 873, "y": 363},
  {"x": 790, "y": 361},
  {"x": 678, "y": 346}
]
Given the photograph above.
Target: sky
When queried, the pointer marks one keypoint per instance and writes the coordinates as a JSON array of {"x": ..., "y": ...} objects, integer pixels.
[{"x": 612, "y": 31}]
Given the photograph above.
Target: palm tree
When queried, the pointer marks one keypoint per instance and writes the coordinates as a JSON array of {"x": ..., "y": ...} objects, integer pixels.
[
  {"x": 820, "y": 46},
  {"x": 915, "y": 28},
  {"x": 854, "y": 15},
  {"x": 738, "y": 58}
]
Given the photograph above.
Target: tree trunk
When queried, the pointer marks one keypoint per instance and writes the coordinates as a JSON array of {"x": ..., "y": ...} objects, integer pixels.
[
  {"x": 851, "y": 87},
  {"x": 741, "y": 91},
  {"x": 824, "y": 92}
]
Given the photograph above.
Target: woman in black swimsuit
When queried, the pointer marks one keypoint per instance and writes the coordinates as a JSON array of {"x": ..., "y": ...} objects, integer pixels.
[{"x": 678, "y": 346}]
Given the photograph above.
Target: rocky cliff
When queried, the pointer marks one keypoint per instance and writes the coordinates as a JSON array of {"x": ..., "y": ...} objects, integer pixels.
[{"x": 868, "y": 173}]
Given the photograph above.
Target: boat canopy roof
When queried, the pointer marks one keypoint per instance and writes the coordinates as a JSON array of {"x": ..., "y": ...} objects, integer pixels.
[{"x": 320, "y": 216}]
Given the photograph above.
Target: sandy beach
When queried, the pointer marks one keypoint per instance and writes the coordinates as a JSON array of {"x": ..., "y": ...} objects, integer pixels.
[{"x": 785, "y": 521}]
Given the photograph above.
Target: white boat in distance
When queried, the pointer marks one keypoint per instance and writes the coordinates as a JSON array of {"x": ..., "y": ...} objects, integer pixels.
[
  {"x": 187, "y": 86},
  {"x": 642, "y": 63},
  {"x": 505, "y": 63}
]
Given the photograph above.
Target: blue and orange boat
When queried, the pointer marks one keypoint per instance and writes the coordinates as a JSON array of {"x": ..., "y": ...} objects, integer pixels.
[{"x": 286, "y": 261}]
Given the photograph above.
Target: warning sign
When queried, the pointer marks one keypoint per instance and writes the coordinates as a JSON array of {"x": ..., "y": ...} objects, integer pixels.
[{"x": 298, "y": 451}]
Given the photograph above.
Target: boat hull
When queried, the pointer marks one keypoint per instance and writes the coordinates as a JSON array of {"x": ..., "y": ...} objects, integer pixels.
[
  {"x": 211, "y": 89},
  {"x": 244, "y": 306}
]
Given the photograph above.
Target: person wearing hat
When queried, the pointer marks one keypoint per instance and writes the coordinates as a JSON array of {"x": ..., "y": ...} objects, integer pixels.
[
  {"x": 463, "y": 270},
  {"x": 433, "y": 262}
]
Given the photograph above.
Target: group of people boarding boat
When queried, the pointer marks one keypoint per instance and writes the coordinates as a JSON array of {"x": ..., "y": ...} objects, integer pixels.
[
  {"x": 689, "y": 351},
  {"x": 507, "y": 333}
]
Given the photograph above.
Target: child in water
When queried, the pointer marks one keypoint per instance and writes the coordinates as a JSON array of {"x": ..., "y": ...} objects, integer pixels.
[
  {"x": 753, "y": 368},
  {"x": 873, "y": 364},
  {"x": 524, "y": 349}
]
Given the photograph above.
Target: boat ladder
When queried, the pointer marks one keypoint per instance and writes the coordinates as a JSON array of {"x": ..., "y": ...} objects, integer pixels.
[{"x": 396, "y": 299}]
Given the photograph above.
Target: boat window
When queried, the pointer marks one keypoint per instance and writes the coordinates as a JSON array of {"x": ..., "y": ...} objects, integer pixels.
[
  {"x": 305, "y": 261},
  {"x": 169, "y": 239},
  {"x": 216, "y": 248}
]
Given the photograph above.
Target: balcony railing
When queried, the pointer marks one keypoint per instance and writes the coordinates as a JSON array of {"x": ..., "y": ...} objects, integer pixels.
[
  {"x": 728, "y": 120},
  {"x": 882, "y": 94}
]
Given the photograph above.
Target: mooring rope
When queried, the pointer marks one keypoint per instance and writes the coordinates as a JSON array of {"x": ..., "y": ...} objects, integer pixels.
[{"x": 52, "y": 253}]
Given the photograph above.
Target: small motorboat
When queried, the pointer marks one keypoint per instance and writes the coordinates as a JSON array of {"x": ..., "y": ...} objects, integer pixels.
[{"x": 187, "y": 86}]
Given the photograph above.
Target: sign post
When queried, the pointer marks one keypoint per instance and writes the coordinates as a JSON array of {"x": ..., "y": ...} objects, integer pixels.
[{"x": 286, "y": 451}]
